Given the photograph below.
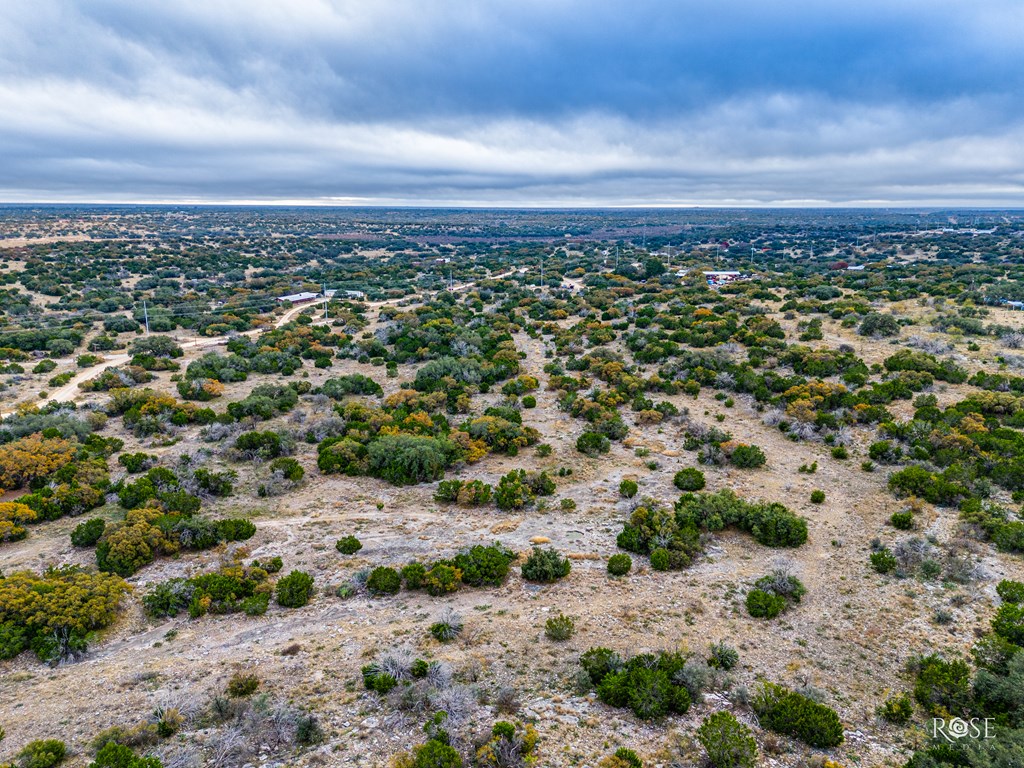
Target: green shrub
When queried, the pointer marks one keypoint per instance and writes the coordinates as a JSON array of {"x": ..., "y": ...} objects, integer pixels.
[
  {"x": 44, "y": 753},
  {"x": 55, "y": 612},
  {"x": 1009, "y": 622},
  {"x": 620, "y": 564},
  {"x": 747, "y": 457},
  {"x": 728, "y": 742},
  {"x": 883, "y": 560},
  {"x": 559, "y": 628},
  {"x": 348, "y": 545},
  {"x": 771, "y": 524},
  {"x": 544, "y": 450},
  {"x": 308, "y": 731},
  {"x": 354, "y": 384},
  {"x": 513, "y": 492},
  {"x": 930, "y": 568},
  {"x": 1010, "y": 591},
  {"x": 689, "y": 479},
  {"x": 88, "y": 533},
  {"x": 897, "y": 709},
  {"x": 448, "y": 491},
  {"x": 217, "y": 483},
  {"x": 384, "y": 581},
  {"x": 235, "y": 529},
  {"x": 136, "y": 462},
  {"x": 540, "y": 483},
  {"x": 904, "y": 521},
  {"x": 529, "y": 401},
  {"x": 780, "y": 582},
  {"x": 289, "y": 468},
  {"x": 940, "y": 489},
  {"x": 545, "y": 566},
  {"x": 113, "y": 755},
  {"x": 598, "y": 662},
  {"x": 793, "y": 714},
  {"x": 13, "y": 640},
  {"x": 262, "y": 445},
  {"x": 762, "y": 604},
  {"x": 817, "y": 496},
  {"x": 661, "y": 559},
  {"x": 376, "y": 680},
  {"x": 942, "y": 687},
  {"x": 484, "y": 566},
  {"x": 226, "y": 591},
  {"x": 878, "y": 324},
  {"x": 409, "y": 459},
  {"x": 255, "y": 605},
  {"x": 723, "y": 656},
  {"x": 628, "y": 489},
  {"x": 435, "y": 754},
  {"x": 414, "y": 575},
  {"x": 475, "y": 493},
  {"x": 442, "y": 579},
  {"x": 840, "y": 452},
  {"x": 593, "y": 444},
  {"x": 294, "y": 590},
  {"x": 647, "y": 684},
  {"x": 242, "y": 684},
  {"x": 472, "y": 494}
]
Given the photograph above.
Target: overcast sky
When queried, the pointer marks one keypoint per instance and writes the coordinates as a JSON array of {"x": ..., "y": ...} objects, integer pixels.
[{"x": 531, "y": 102}]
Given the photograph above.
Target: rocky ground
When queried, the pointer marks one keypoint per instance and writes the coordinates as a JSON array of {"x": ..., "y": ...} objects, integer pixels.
[{"x": 850, "y": 637}]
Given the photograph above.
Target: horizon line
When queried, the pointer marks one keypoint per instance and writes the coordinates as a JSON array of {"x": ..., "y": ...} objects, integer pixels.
[{"x": 467, "y": 205}]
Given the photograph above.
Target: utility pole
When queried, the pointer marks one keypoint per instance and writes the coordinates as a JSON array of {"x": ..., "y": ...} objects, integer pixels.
[
  {"x": 145, "y": 314},
  {"x": 326, "y": 316},
  {"x": 542, "y": 271},
  {"x": 616, "y": 258}
]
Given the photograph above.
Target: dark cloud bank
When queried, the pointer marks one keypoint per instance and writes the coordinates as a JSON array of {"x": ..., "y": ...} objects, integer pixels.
[{"x": 735, "y": 102}]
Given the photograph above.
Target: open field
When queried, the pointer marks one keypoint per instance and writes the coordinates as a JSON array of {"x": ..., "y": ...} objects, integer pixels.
[{"x": 467, "y": 366}]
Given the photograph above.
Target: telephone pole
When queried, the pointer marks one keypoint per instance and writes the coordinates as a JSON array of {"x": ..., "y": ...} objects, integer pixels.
[
  {"x": 326, "y": 316},
  {"x": 145, "y": 314}
]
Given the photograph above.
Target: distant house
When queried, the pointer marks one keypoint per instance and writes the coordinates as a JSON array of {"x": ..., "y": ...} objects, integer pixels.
[
  {"x": 855, "y": 268},
  {"x": 330, "y": 293},
  {"x": 1014, "y": 304},
  {"x": 724, "y": 277},
  {"x": 298, "y": 298}
]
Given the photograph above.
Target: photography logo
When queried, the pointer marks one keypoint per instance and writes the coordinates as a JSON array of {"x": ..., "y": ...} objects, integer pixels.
[{"x": 957, "y": 728}]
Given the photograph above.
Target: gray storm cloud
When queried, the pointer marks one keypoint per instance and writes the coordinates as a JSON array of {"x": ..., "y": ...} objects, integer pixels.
[{"x": 533, "y": 103}]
